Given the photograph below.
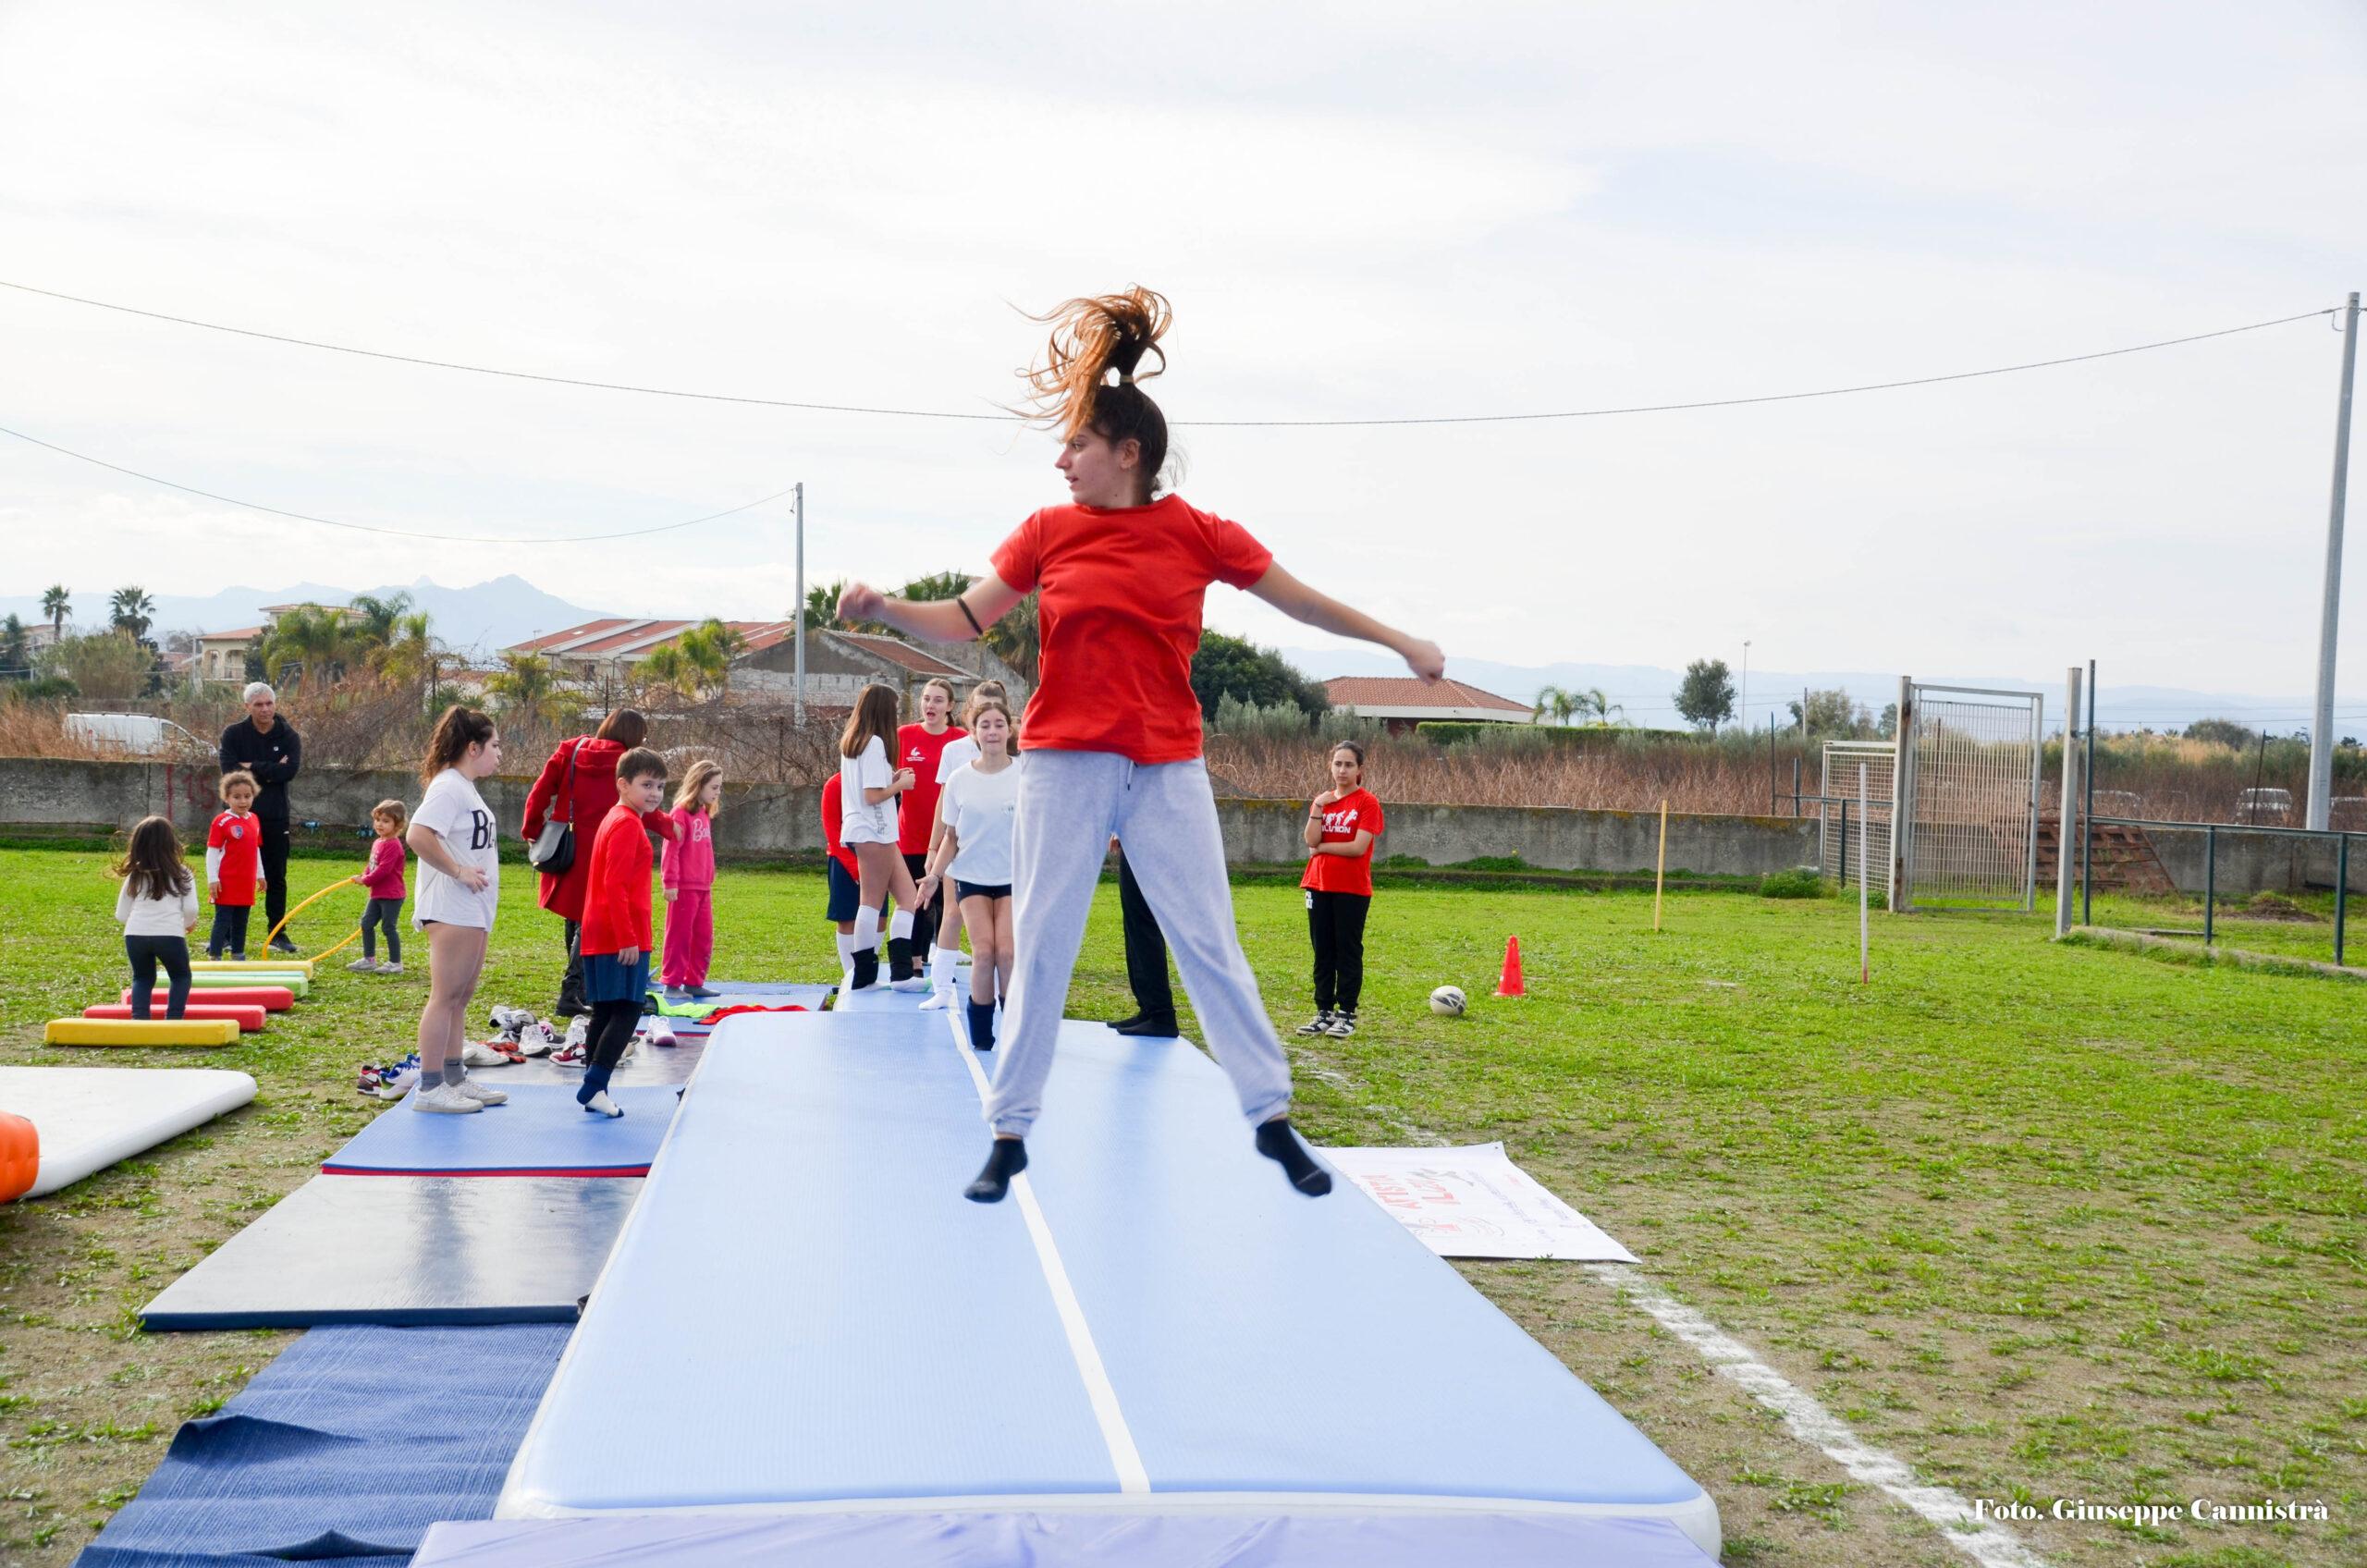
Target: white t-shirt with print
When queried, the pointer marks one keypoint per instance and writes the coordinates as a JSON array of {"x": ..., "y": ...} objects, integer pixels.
[
  {"x": 457, "y": 813},
  {"x": 861, "y": 822},
  {"x": 957, "y": 756},
  {"x": 978, "y": 808}
]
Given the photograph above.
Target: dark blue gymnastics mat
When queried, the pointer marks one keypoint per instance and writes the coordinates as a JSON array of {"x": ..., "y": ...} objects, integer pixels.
[
  {"x": 406, "y": 1250},
  {"x": 542, "y": 1131},
  {"x": 934, "y": 1540},
  {"x": 348, "y": 1446},
  {"x": 1155, "y": 1323}
]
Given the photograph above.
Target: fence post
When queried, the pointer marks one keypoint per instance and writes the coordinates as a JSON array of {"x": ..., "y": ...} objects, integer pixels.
[
  {"x": 2070, "y": 803},
  {"x": 2088, "y": 811},
  {"x": 1845, "y": 841},
  {"x": 1796, "y": 787},
  {"x": 2341, "y": 889},
  {"x": 2210, "y": 878}
]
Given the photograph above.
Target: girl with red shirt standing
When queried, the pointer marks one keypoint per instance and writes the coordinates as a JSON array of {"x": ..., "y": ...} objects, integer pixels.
[
  {"x": 1341, "y": 826},
  {"x": 614, "y": 942},
  {"x": 1113, "y": 731},
  {"x": 921, "y": 747}
]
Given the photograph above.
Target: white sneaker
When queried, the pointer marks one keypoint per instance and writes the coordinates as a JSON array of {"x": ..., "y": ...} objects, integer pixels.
[
  {"x": 478, "y": 1054},
  {"x": 445, "y": 1100},
  {"x": 479, "y": 1093},
  {"x": 537, "y": 1039},
  {"x": 362, "y": 966},
  {"x": 601, "y": 1105},
  {"x": 579, "y": 1031},
  {"x": 909, "y": 983},
  {"x": 390, "y": 969}
]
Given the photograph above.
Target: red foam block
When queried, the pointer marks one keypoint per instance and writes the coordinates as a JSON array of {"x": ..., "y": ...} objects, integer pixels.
[
  {"x": 249, "y": 1017},
  {"x": 272, "y": 998}
]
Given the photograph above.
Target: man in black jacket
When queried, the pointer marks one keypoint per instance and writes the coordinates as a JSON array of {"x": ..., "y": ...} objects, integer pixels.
[{"x": 268, "y": 747}]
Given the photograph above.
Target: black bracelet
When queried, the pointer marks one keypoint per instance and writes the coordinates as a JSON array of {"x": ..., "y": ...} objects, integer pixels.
[{"x": 968, "y": 616}]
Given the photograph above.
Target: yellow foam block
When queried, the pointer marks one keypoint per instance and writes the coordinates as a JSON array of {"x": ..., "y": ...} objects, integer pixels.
[{"x": 141, "y": 1031}]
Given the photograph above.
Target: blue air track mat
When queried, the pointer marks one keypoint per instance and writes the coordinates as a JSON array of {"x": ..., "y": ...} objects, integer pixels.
[
  {"x": 1153, "y": 1324},
  {"x": 542, "y": 1131},
  {"x": 405, "y": 1250}
]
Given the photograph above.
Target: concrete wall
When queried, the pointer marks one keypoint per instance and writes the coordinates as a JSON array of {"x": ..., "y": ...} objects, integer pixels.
[{"x": 768, "y": 821}]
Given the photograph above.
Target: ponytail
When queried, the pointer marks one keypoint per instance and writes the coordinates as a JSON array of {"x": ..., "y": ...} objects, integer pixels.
[
  {"x": 455, "y": 733},
  {"x": 1093, "y": 339}
]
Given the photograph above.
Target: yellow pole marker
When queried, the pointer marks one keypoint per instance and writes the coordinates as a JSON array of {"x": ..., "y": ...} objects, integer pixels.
[
  {"x": 341, "y": 882},
  {"x": 1660, "y": 871}
]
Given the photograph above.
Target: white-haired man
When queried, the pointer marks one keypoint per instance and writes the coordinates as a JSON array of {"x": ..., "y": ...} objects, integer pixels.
[{"x": 267, "y": 746}]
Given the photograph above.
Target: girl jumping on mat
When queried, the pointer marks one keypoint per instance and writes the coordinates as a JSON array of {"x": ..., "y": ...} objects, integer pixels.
[
  {"x": 460, "y": 889},
  {"x": 1341, "y": 825},
  {"x": 1113, "y": 731},
  {"x": 975, "y": 842},
  {"x": 157, "y": 905},
  {"x": 870, "y": 785}
]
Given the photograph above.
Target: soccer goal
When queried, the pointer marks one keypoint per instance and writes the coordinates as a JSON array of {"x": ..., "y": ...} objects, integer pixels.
[
  {"x": 1965, "y": 796},
  {"x": 1841, "y": 843}
]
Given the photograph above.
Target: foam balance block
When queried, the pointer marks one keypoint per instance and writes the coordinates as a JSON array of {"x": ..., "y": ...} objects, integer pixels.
[
  {"x": 216, "y": 980},
  {"x": 248, "y": 966},
  {"x": 248, "y": 1017},
  {"x": 272, "y": 998},
  {"x": 140, "y": 1032}
]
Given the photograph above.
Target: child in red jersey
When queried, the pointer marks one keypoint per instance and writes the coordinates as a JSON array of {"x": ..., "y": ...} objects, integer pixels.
[
  {"x": 1113, "y": 729},
  {"x": 234, "y": 874},
  {"x": 617, "y": 925},
  {"x": 1341, "y": 825},
  {"x": 921, "y": 747},
  {"x": 845, "y": 877},
  {"x": 689, "y": 882}
]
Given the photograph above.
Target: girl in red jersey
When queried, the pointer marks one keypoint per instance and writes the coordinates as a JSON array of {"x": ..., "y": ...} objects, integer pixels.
[
  {"x": 921, "y": 747},
  {"x": 1341, "y": 825},
  {"x": 1113, "y": 731}
]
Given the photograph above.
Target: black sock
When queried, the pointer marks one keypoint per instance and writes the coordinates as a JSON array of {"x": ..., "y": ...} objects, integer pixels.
[
  {"x": 866, "y": 967},
  {"x": 1006, "y": 1159},
  {"x": 982, "y": 1026},
  {"x": 1278, "y": 1143},
  {"x": 900, "y": 958}
]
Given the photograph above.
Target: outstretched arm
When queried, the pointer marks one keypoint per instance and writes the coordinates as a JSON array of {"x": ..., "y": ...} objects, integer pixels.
[
  {"x": 932, "y": 620},
  {"x": 1301, "y": 603}
]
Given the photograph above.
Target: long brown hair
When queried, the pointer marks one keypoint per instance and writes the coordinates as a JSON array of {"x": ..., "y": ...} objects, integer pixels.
[
  {"x": 456, "y": 731},
  {"x": 1092, "y": 339},
  {"x": 874, "y": 714},
  {"x": 153, "y": 861},
  {"x": 985, "y": 692},
  {"x": 627, "y": 726},
  {"x": 996, "y": 704}
]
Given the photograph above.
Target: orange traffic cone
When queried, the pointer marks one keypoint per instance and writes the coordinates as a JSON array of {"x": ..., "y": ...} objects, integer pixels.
[{"x": 1510, "y": 986}]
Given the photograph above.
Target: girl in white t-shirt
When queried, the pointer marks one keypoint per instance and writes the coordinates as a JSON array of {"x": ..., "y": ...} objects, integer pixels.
[
  {"x": 977, "y": 810},
  {"x": 869, "y": 787},
  {"x": 945, "y": 958},
  {"x": 460, "y": 885},
  {"x": 157, "y": 905}
]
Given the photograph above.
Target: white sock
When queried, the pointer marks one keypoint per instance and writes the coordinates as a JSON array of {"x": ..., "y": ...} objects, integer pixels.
[
  {"x": 867, "y": 930},
  {"x": 942, "y": 963},
  {"x": 846, "y": 948},
  {"x": 899, "y": 925}
]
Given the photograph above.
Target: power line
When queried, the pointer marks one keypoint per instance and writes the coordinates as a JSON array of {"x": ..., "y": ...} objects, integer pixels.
[
  {"x": 373, "y": 528},
  {"x": 1200, "y": 423}
]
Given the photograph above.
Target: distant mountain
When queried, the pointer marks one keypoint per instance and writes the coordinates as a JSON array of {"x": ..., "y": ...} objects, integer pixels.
[
  {"x": 475, "y": 620},
  {"x": 1644, "y": 692}
]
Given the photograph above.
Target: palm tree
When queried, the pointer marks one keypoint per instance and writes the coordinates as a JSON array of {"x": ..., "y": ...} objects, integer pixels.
[
  {"x": 16, "y": 649},
  {"x": 1596, "y": 701},
  {"x": 373, "y": 621},
  {"x": 57, "y": 604},
  {"x": 313, "y": 642},
  {"x": 708, "y": 649},
  {"x": 1553, "y": 699},
  {"x": 665, "y": 666},
  {"x": 131, "y": 611},
  {"x": 1017, "y": 638},
  {"x": 409, "y": 654},
  {"x": 527, "y": 685}
]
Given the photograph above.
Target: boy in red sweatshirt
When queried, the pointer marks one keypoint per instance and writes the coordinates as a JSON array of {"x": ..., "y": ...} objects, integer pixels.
[{"x": 616, "y": 926}]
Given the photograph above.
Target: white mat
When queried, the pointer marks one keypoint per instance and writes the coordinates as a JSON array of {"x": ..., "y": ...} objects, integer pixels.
[
  {"x": 1473, "y": 1202},
  {"x": 90, "y": 1117}
]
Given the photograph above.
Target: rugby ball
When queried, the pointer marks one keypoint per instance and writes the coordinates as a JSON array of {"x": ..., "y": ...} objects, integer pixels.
[{"x": 1448, "y": 1001}]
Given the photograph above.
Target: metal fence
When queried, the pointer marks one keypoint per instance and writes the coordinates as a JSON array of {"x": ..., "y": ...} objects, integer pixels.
[
  {"x": 1839, "y": 817},
  {"x": 1967, "y": 784},
  {"x": 2210, "y": 832}
]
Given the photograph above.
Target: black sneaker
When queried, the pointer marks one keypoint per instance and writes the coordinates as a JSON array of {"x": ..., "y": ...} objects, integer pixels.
[
  {"x": 282, "y": 945},
  {"x": 1319, "y": 1024},
  {"x": 1342, "y": 1025}
]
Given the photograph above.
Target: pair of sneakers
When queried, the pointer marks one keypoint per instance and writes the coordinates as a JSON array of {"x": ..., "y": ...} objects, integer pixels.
[
  {"x": 463, "y": 1098},
  {"x": 372, "y": 966},
  {"x": 1338, "y": 1023},
  {"x": 690, "y": 993}
]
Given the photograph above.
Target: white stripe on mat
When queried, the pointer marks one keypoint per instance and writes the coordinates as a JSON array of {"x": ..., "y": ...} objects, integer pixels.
[{"x": 1124, "y": 1456}]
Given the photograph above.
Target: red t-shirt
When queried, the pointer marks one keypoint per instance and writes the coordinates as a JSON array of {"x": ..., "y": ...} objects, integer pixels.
[
  {"x": 833, "y": 814},
  {"x": 1120, "y": 619},
  {"x": 919, "y": 750},
  {"x": 240, "y": 840},
  {"x": 1353, "y": 812},
  {"x": 616, "y": 900}
]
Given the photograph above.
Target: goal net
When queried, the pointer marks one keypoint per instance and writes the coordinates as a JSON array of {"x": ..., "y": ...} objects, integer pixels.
[
  {"x": 1966, "y": 791},
  {"x": 1845, "y": 835}
]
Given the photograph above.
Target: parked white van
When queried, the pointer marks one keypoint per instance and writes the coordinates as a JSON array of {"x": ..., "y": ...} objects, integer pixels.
[{"x": 135, "y": 734}]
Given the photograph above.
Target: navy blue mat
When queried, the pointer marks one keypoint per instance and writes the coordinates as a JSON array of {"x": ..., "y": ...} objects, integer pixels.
[
  {"x": 542, "y": 1131},
  {"x": 406, "y": 1250},
  {"x": 345, "y": 1448}
]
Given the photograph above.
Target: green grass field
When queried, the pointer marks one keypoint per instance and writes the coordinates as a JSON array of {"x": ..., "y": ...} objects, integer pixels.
[{"x": 2043, "y": 1222}]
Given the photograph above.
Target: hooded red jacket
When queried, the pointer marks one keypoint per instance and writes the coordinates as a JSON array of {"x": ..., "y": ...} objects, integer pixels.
[{"x": 594, "y": 791}]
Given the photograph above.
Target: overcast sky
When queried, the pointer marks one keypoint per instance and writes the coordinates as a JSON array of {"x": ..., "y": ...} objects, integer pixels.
[{"x": 1360, "y": 210}]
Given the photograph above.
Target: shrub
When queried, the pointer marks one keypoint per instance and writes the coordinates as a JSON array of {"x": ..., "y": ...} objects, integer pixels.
[{"x": 1799, "y": 884}]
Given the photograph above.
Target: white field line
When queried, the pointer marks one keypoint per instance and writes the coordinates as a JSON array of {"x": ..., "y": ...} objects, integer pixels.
[
  {"x": 1115, "y": 1434},
  {"x": 1986, "y": 1542}
]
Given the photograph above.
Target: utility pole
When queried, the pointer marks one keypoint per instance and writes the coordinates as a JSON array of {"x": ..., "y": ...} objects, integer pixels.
[
  {"x": 2321, "y": 721},
  {"x": 2069, "y": 822},
  {"x": 797, "y": 703},
  {"x": 1742, "y": 714}
]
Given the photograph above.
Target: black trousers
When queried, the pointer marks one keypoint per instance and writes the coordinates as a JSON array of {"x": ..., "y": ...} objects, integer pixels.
[
  {"x": 1146, "y": 948},
  {"x": 1336, "y": 921},
  {"x": 275, "y": 866},
  {"x": 228, "y": 932},
  {"x": 924, "y": 918},
  {"x": 612, "y": 1031},
  {"x": 571, "y": 984},
  {"x": 146, "y": 953}
]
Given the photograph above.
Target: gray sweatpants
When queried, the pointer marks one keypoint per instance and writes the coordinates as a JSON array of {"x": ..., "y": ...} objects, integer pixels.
[{"x": 1070, "y": 803}]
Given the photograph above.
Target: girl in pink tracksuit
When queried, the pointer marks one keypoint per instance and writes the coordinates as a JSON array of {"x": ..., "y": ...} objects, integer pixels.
[{"x": 689, "y": 882}]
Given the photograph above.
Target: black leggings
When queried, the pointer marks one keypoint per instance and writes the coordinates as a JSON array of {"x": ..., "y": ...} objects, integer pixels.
[
  {"x": 612, "y": 1031},
  {"x": 379, "y": 914},
  {"x": 229, "y": 930},
  {"x": 1336, "y": 921},
  {"x": 146, "y": 953}
]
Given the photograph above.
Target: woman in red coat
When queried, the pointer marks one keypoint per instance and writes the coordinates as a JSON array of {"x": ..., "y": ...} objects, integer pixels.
[{"x": 592, "y": 791}]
